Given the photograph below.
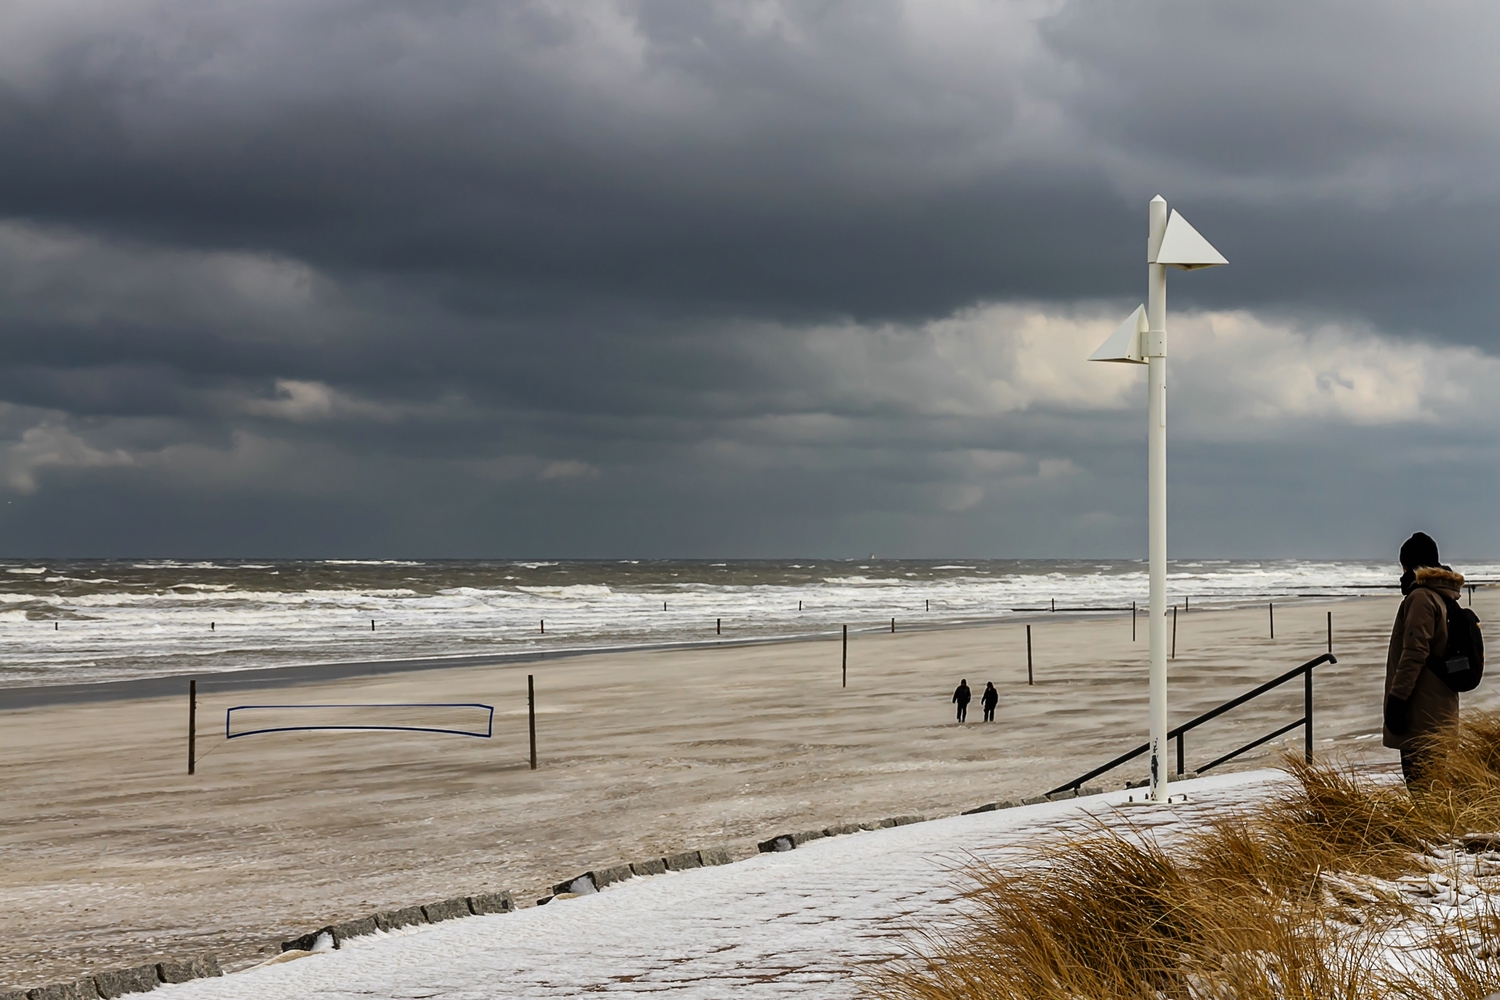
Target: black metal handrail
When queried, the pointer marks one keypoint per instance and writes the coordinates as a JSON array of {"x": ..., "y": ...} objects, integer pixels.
[{"x": 1306, "y": 670}]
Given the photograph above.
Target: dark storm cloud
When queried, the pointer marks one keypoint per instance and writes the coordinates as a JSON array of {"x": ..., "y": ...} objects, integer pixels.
[
  {"x": 847, "y": 158},
  {"x": 602, "y": 277}
]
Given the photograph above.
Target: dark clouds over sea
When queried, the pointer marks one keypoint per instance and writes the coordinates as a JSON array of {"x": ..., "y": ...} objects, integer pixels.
[{"x": 691, "y": 278}]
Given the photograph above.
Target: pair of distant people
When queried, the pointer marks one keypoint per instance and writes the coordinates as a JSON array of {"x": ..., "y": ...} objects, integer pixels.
[{"x": 962, "y": 697}]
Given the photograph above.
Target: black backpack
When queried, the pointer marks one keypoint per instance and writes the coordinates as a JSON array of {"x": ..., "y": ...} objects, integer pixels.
[{"x": 1461, "y": 663}]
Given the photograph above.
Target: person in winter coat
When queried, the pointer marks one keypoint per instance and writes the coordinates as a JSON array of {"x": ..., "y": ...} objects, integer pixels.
[
  {"x": 961, "y": 699},
  {"x": 1418, "y": 704},
  {"x": 989, "y": 700}
]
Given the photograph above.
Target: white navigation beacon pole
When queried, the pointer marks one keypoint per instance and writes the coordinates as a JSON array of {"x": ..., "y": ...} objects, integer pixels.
[{"x": 1142, "y": 339}]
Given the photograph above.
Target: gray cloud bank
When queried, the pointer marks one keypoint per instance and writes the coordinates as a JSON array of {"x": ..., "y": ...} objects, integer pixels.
[{"x": 688, "y": 278}]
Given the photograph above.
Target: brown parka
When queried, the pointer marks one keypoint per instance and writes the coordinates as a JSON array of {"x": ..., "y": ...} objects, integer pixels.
[{"x": 1421, "y": 629}]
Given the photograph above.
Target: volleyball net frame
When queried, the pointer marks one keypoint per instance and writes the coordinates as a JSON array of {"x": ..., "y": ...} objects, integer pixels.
[{"x": 488, "y": 733}]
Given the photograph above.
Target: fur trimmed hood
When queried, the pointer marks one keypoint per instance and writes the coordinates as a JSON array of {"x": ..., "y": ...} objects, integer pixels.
[{"x": 1441, "y": 579}]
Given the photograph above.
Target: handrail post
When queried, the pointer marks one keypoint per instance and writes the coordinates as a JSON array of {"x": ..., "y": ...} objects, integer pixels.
[
  {"x": 1308, "y": 714},
  {"x": 1181, "y": 762}
]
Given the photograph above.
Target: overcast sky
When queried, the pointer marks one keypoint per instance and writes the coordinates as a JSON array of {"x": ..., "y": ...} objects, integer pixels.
[{"x": 694, "y": 278}]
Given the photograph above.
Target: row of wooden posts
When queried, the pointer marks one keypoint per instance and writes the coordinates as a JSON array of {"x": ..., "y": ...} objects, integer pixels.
[
  {"x": 1030, "y": 674},
  {"x": 718, "y": 629},
  {"x": 542, "y": 622},
  {"x": 719, "y": 622},
  {"x": 1270, "y": 619}
]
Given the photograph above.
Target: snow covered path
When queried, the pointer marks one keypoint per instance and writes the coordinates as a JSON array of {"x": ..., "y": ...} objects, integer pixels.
[{"x": 800, "y": 923}]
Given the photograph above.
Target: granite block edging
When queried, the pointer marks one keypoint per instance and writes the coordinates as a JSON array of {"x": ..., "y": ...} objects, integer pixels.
[
  {"x": 448, "y": 909},
  {"x": 601, "y": 878},
  {"x": 791, "y": 841},
  {"x": 118, "y": 982},
  {"x": 83, "y": 989},
  {"x": 200, "y": 967},
  {"x": 407, "y": 916}
]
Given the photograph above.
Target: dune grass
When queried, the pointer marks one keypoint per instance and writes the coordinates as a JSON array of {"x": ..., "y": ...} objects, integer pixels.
[{"x": 1334, "y": 889}]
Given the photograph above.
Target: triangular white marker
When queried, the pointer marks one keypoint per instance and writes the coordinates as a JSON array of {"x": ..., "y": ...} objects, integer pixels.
[
  {"x": 1126, "y": 343},
  {"x": 1183, "y": 246}
]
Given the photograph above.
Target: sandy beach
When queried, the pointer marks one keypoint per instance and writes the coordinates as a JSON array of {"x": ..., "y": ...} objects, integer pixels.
[{"x": 113, "y": 855}]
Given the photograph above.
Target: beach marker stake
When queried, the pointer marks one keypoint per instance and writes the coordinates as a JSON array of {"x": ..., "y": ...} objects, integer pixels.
[
  {"x": 1029, "y": 680},
  {"x": 1174, "y": 631},
  {"x": 531, "y": 715},
  {"x": 893, "y": 626},
  {"x": 1471, "y": 599},
  {"x": 845, "y": 668},
  {"x": 1142, "y": 339},
  {"x": 1132, "y": 621},
  {"x": 372, "y": 624},
  {"x": 1271, "y": 610},
  {"x": 718, "y": 626},
  {"x": 1330, "y": 633},
  {"x": 192, "y": 725},
  {"x": 543, "y": 625}
]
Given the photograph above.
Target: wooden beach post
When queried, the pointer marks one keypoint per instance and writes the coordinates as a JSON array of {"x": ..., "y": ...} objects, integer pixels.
[
  {"x": 1271, "y": 610},
  {"x": 1174, "y": 632},
  {"x": 192, "y": 726},
  {"x": 531, "y": 715},
  {"x": 1132, "y": 621},
  {"x": 1330, "y": 633},
  {"x": 718, "y": 626},
  {"x": 845, "y": 669},
  {"x": 893, "y": 626},
  {"x": 1029, "y": 680}
]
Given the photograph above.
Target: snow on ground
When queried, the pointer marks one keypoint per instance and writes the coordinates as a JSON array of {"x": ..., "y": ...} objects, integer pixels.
[{"x": 800, "y": 923}]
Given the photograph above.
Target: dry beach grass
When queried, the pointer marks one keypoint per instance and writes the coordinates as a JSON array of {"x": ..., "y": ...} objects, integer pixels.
[{"x": 1325, "y": 891}]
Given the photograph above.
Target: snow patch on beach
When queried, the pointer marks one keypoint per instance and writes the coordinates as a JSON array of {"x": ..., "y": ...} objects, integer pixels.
[{"x": 807, "y": 922}]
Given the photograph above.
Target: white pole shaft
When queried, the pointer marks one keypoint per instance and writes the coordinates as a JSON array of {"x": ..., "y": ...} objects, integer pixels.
[{"x": 1156, "y": 501}]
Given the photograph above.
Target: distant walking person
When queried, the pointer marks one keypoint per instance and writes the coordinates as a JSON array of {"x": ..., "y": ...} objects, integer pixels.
[
  {"x": 989, "y": 700},
  {"x": 1418, "y": 703},
  {"x": 961, "y": 699}
]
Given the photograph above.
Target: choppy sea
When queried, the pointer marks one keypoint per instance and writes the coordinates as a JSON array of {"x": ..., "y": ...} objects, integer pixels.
[{"x": 66, "y": 621}]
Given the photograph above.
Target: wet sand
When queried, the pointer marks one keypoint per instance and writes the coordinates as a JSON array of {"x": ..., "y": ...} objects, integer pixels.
[{"x": 112, "y": 855}]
